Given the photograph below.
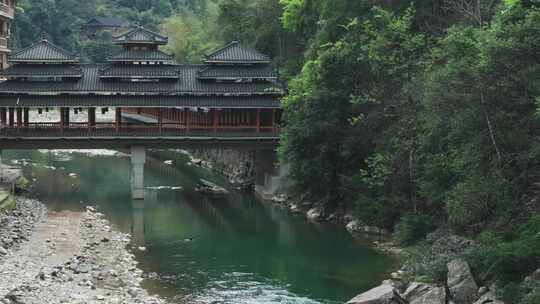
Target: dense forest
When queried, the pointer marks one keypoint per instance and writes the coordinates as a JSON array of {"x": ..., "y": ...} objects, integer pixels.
[{"x": 416, "y": 114}]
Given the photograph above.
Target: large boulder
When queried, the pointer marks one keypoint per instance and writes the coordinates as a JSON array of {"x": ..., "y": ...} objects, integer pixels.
[
  {"x": 488, "y": 298},
  {"x": 420, "y": 293},
  {"x": 461, "y": 284},
  {"x": 384, "y": 294}
]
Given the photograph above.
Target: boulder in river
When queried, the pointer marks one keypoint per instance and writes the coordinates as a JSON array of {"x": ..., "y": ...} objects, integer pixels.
[
  {"x": 420, "y": 293},
  {"x": 461, "y": 284},
  {"x": 315, "y": 214},
  {"x": 209, "y": 188},
  {"x": 383, "y": 294}
]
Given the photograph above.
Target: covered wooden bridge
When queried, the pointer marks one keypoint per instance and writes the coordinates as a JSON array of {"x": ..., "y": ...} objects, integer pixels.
[
  {"x": 233, "y": 94},
  {"x": 231, "y": 99}
]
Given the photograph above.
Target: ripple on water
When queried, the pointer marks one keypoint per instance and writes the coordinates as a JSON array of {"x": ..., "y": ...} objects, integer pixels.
[{"x": 246, "y": 288}]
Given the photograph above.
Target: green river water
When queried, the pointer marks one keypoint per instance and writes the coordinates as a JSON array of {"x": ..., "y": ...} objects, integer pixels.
[{"x": 233, "y": 250}]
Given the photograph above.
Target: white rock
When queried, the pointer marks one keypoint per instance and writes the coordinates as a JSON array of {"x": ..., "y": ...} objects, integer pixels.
[
  {"x": 384, "y": 294},
  {"x": 461, "y": 284}
]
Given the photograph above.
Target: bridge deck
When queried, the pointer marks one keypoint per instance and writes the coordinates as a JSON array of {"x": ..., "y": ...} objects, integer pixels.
[{"x": 81, "y": 135}]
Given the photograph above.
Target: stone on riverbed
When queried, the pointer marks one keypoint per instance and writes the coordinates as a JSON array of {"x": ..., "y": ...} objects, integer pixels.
[
  {"x": 461, "y": 284},
  {"x": 315, "y": 214},
  {"x": 384, "y": 294}
]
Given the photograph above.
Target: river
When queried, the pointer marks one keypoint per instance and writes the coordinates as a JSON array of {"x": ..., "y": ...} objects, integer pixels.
[{"x": 232, "y": 250}]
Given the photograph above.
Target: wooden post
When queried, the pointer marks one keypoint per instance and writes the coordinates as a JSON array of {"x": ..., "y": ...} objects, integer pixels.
[
  {"x": 258, "y": 120},
  {"x": 66, "y": 117},
  {"x": 26, "y": 121},
  {"x": 19, "y": 117},
  {"x": 274, "y": 121},
  {"x": 160, "y": 119},
  {"x": 216, "y": 119},
  {"x": 91, "y": 117},
  {"x": 11, "y": 117},
  {"x": 118, "y": 118},
  {"x": 62, "y": 118},
  {"x": 3, "y": 117},
  {"x": 188, "y": 119}
]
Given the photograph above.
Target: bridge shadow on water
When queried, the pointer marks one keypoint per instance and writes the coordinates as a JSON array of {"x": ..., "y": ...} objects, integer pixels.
[{"x": 230, "y": 250}]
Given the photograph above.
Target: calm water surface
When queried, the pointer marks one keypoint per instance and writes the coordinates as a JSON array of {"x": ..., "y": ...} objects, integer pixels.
[{"x": 234, "y": 250}]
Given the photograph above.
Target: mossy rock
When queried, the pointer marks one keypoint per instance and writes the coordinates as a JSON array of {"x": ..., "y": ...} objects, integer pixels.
[
  {"x": 7, "y": 201},
  {"x": 22, "y": 184}
]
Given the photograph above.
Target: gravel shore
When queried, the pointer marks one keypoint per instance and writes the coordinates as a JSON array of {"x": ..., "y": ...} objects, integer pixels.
[{"x": 65, "y": 257}]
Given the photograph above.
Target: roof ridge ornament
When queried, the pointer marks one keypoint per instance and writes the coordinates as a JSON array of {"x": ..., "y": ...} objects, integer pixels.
[{"x": 44, "y": 37}]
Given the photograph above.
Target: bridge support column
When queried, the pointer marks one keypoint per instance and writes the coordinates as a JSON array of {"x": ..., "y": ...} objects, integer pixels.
[{"x": 138, "y": 159}]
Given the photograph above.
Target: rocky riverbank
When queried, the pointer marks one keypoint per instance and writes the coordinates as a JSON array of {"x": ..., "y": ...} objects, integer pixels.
[
  {"x": 437, "y": 272},
  {"x": 65, "y": 257}
]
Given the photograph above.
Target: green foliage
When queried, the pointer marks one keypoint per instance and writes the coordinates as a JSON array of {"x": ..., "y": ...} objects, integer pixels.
[
  {"x": 413, "y": 228},
  {"x": 190, "y": 37},
  {"x": 509, "y": 262},
  {"x": 63, "y": 21}
]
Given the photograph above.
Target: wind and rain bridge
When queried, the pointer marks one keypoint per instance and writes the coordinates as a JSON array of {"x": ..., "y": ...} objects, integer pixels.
[{"x": 230, "y": 100}]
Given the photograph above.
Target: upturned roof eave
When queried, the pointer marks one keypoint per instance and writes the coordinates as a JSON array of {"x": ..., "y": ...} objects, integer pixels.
[
  {"x": 149, "y": 42},
  {"x": 237, "y": 61},
  {"x": 38, "y": 60}
]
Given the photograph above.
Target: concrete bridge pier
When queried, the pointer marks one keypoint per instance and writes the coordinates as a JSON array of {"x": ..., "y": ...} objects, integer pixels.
[
  {"x": 137, "y": 227},
  {"x": 138, "y": 159}
]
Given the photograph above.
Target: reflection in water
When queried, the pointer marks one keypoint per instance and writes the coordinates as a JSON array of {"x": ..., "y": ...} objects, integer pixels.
[{"x": 232, "y": 250}]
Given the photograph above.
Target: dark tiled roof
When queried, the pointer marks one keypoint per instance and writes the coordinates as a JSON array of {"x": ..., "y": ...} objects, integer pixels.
[
  {"x": 234, "y": 72},
  {"x": 106, "y": 21},
  {"x": 143, "y": 71},
  {"x": 42, "y": 70},
  {"x": 188, "y": 84},
  {"x": 131, "y": 55},
  {"x": 234, "y": 52},
  {"x": 141, "y": 101},
  {"x": 43, "y": 51},
  {"x": 140, "y": 35}
]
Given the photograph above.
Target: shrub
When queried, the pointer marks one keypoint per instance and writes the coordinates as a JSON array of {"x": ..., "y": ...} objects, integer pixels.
[
  {"x": 476, "y": 200},
  {"x": 413, "y": 228},
  {"x": 382, "y": 212}
]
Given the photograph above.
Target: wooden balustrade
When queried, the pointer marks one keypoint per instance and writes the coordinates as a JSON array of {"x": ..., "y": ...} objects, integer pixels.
[{"x": 133, "y": 130}]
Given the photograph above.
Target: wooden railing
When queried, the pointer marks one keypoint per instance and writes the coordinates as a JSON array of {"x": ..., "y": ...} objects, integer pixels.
[
  {"x": 100, "y": 130},
  {"x": 3, "y": 42},
  {"x": 6, "y": 10}
]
